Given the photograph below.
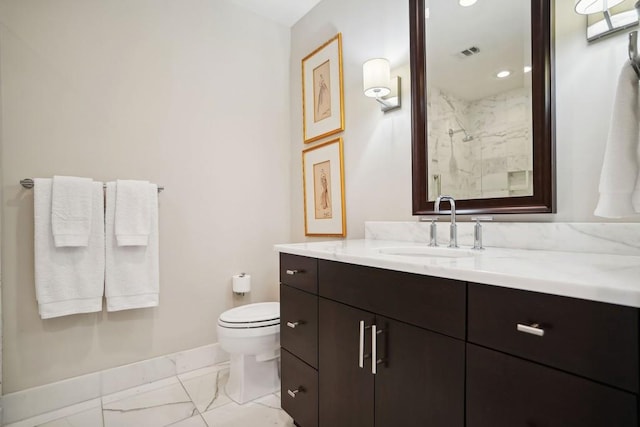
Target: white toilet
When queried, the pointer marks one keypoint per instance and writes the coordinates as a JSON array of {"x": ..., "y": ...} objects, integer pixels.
[{"x": 251, "y": 335}]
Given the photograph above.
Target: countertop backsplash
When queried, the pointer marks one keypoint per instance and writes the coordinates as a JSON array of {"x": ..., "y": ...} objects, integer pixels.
[{"x": 599, "y": 238}]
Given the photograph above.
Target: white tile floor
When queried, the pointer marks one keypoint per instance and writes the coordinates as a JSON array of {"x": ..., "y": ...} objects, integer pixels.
[{"x": 193, "y": 399}]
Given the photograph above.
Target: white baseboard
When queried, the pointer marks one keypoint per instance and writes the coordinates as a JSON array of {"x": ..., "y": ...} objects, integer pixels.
[{"x": 50, "y": 397}]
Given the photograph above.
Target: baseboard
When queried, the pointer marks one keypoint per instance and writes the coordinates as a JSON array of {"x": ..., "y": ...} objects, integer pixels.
[{"x": 50, "y": 397}]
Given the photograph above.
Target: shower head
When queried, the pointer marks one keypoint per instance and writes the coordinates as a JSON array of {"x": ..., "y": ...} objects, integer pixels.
[{"x": 466, "y": 138}]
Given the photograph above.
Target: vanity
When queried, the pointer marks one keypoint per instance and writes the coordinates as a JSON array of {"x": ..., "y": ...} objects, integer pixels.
[{"x": 375, "y": 335}]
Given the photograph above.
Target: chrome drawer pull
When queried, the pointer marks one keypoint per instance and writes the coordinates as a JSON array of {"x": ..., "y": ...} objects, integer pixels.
[
  {"x": 292, "y": 272},
  {"x": 293, "y": 325},
  {"x": 374, "y": 349},
  {"x": 533, "y": 329},
  {"x": 294, "y": 392}
]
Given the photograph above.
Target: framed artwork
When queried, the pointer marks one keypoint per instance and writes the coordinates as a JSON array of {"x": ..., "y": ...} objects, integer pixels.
[
  {"x": 323, "y": 182},
  {"x": 322, "y": 91}
]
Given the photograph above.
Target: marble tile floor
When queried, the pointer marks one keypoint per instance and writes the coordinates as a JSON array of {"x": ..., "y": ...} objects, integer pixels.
[{"x": 192, "y": 399}]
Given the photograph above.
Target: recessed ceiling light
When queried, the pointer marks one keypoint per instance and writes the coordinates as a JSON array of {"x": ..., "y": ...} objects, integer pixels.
[
  {"x": 527, "y": 68},
  {"x": 467, "y": 3},
  {"x": 503, "y": 74}
]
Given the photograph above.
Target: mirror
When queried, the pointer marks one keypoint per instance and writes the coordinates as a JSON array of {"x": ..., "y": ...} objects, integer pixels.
[{"x": 485, "y": 140}]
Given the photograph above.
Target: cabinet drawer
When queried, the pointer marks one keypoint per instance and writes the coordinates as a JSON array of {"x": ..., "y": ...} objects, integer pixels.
[
  {"x": 296, "y": 375},
  {"x": 591, "y": 339},
  {"x": 429, "y": 302},
  {"x": 299, "y": 323},
  {"x": 300, "y": 272},
  {"x": 504, "y": 391}
]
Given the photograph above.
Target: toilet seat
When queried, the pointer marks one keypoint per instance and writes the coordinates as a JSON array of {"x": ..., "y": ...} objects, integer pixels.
[{"x": 258, "y": 315}]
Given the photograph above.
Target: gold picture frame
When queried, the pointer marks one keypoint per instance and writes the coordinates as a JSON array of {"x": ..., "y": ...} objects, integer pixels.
[
  {"x": 323, "y": 183},
  {"x": 322, "y": 91}
]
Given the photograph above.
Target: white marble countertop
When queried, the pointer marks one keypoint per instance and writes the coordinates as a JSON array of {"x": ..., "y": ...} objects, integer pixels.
[{"x": 596, "y": 277}]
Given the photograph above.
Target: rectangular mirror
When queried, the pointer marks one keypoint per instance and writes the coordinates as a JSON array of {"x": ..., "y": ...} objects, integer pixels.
[{"x": 482, "y": 105}]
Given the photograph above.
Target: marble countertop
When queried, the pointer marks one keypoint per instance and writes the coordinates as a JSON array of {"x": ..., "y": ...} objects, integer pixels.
[{"x": 596, "y": 277}]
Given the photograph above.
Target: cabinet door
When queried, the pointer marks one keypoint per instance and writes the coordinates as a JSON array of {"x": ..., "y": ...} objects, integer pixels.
[
  {"x": 420, "y": 380},
  {"x": 345, "y": 389},
  {"x": 504, "y": 391}
]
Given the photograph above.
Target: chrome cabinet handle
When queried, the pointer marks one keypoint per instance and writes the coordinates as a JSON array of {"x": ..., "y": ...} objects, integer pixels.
[
  {"x": 293, "y": 325},
  {"x": 361, "y": 350},
  {"x": 533, "y": 329},
  {"x": 293, "y": 272},
  {"x": 374, "y": 349},
  {"x": 293, "y": 393}
]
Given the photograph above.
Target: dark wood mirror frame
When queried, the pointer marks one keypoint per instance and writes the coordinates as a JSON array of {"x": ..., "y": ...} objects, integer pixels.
[{"x": 543, "y": 198}]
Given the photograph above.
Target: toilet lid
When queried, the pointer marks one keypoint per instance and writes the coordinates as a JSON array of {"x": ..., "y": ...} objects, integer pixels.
[{"x": 257, "y": 315}]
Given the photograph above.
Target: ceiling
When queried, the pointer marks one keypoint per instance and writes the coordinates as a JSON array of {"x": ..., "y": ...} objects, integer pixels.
[
  {"x": 285, "y": 12},
  {"x": 498, "y": 28}
]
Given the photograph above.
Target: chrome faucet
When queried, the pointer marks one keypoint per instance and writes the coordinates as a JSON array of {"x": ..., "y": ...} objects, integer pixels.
[{"x": 453, "y": 228}]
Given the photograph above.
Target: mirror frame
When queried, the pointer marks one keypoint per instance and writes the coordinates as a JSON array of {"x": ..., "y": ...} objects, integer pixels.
[{"x": 543, "y": 199}]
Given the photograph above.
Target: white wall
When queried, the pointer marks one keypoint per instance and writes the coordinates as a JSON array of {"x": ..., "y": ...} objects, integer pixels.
[
  {"x": 191, "y": 94},
  {"x": 378, "y": 147}
]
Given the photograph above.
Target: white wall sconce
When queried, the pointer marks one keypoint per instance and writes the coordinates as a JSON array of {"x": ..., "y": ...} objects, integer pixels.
[
  {"x": 378, "y": 84},
  {"x": 605, "y": 17}
]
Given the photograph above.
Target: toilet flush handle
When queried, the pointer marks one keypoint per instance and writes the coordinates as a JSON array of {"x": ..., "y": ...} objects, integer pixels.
[{"x": 293, "y": 325}]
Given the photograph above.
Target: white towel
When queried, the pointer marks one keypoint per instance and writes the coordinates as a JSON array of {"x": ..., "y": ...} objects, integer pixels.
[
  {"x": 133, "y": 212},
  {"x": 132, "y": 278},
  {"x": 71, "y": 210},
  {"x": 619, "y": 179},
  {"x": 68, "y": 280}
]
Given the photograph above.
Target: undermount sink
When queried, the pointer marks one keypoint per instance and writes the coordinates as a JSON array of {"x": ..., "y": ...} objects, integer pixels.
[{"x": 427, "y": 251}]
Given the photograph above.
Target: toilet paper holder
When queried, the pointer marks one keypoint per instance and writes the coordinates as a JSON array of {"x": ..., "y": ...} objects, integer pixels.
[{"x": 241, "y": 284}]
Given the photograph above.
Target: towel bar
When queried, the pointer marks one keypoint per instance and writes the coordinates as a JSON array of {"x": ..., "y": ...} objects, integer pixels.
[
  {"x": 28, "y": 183},
  {"x": 634, "y": 56}
]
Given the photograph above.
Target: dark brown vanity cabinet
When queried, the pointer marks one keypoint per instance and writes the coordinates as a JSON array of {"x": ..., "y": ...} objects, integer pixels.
[
  {"x": 380, "y": 360},
  {"x": 368, "y": 347},
  {"x": 542, "y": 360},
  {"x": 405, "y": 376},
  {"x": 299, "y": 338}
]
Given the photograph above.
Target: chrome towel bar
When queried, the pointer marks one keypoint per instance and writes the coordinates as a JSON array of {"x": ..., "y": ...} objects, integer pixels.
[{"x": 28, "y": 183}]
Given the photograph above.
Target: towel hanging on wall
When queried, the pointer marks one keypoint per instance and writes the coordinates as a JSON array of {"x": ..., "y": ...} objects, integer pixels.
[
  {"x": 620, "y": 179},
  {"x": 132, "y": 278},
  {"x": 71, "y": 199},
  {"x": 133, "y": 212},
  {"x": 68, "y": 280}
]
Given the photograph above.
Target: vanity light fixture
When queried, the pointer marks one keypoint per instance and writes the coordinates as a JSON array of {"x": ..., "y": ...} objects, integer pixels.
[
  {"x": 467, "y": 3},
  {"x": 527, "y": 68},
  {"x": 610, "y": 22},
  {"x": 378, "y": 84},
  {"x": 587, "y": 7},
  {"x": 503, "y": 74}
]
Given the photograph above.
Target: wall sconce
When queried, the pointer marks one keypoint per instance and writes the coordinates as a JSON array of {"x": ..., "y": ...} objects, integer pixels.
[
  {"x": 624, "y": 16},
  {"x": 378, "y": 84}
]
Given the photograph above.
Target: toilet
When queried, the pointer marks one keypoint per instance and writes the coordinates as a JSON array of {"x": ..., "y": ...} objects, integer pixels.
[{"x": 251, "y": 335}]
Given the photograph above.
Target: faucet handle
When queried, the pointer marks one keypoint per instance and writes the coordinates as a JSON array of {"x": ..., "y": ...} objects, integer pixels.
[
  {"x": 433, "y": 232},
  {"x": 477, "y": 231}
]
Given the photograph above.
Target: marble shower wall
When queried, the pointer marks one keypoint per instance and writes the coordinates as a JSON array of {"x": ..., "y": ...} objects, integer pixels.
[{"x": 496, "y": 158}]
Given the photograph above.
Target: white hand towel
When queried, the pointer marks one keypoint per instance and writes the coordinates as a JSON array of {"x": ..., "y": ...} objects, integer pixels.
[
  {"x": 132, "y": 278},
  {"x": 619, "y": 180},
  {"x": 71, "y": 210},
  {"x": 133, "y": 214},
  {"x": 68, "y": 280}
]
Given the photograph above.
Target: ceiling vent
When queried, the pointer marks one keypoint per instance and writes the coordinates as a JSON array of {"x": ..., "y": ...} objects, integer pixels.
[{"x": 473, "y": 50}]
